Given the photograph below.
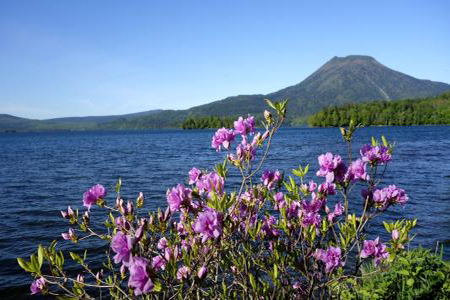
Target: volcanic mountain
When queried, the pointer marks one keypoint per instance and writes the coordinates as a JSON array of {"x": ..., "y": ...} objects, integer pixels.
[{"x": 350, "y": 79}]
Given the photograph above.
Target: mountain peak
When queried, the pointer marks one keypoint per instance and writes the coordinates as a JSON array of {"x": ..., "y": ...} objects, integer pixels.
[{"x": 350, "y": 60}]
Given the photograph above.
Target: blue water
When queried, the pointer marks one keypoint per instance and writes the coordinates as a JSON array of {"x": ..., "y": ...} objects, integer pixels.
[{"x": 43, "y": 173}]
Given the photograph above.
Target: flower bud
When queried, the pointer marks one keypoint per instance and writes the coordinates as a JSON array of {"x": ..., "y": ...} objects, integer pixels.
[
  {"x": 202, "y": 272},
  {"x": 395, "y": 235},
  {"x": 140, "y": 200},
  {"x": 139, "y": 234},
  {"x": 268, "y": 117},
  {"x": 86, "y": 218},
  {"x": 99, "y": 275},
  {"x": 130, "y": 207},
  {"x": 80, "y": 279},
  {"x": 151, "y": 220},
  {"x": 167, "y": 214},
  {"x": 69, "y": 235},
  {"x": 123, "y": 271}
]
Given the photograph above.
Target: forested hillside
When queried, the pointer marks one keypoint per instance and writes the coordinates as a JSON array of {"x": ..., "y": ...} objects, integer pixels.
[{"x": 435, "y": 110}]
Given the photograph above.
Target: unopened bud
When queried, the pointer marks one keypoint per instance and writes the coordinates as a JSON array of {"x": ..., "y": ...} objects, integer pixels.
[
  {"x": 268, "y": 117},
  {"x": 395, "y": 235},
  {"x": 130, "y": 207},
  {"x": 140, "y": 200},
  {"x": 202, "y": 272},
  {"x": 80, "y": 278}
]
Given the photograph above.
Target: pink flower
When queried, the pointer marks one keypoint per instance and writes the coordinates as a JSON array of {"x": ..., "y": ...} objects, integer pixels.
[
  {"x": 245, "y": 126},
  {"x": 183, "y": 273},
  {"x": 331, "y": 167},
  {"x": 37, "y": 286},
  {"x": 178, "y": 196},
  {"x": 331, "y": 257},
  {"x": 222, "y": 137},
  {"x": 194, "y": 175},
  {"x": 95, "y": 193},
  {"x": 209, "y": 224},
  {"x": 122, "y": 245},
  {"x": 271, "y": 179},
  {"x": 139, "y": 277},
  {"x": 375, "y": 249},
  {"x": 69, "y": 235}
]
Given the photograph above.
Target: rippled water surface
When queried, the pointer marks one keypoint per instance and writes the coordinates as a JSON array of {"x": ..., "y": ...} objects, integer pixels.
[{"x": 43, "y": 173}]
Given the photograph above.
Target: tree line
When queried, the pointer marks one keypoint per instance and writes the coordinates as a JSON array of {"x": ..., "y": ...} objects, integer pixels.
[
  {"x": 202, "y": 122},
  {"x": 426, "y": 111}
]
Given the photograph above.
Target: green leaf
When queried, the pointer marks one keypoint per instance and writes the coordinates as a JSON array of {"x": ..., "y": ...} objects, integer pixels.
[
  {"x": 157, "y": 286},
  {"x": 374, "y": 141},
  {"x": 252, "y": 281},
  {"x": 24, "y": 264},
  {"x": 270, "y": 104},
  {"x": 306, "y": 169},
  {"x": 403, "y": 272},
  {"x": 385, "y": 142},
  {"x": 275, "y": 271},
  {"x": 40, "y": 256},
  {"x": 410, "y": 282}
]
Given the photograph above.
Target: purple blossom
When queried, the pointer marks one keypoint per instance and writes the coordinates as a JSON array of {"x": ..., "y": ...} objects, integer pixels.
[
  {"x": 375, "y": 249},
  {"x": 245, "y": 126},
  {"x": 210, "y": 183},
  {"x": 67, "y": 214},
  {"x": 122, "y": 245},
  {"x": 139, "y": 276},
  {"x": 331, "y": 167},
  {"x": 375, "y": 154},
  {"x": 69, "y": 235},
  {"x": 331, "y": 257},
  {"x": 95, "y": 193},
  {"x": 390, "y": 195},
  {"x": 312, "y": 186},
  {"x": 268, "y": 227},
  {"x": 279, "y": 200},
  {"x": 183, "y": 273},
  {"x": 357, "y": 171},
  {"x": 327, "y": 188},
  {"x": 222, "y": 137},
  {"x": 159, "y": 262},
  {"x": 209, "y": 224},
  {"x": 271, "y": 179},
  {"x": 194, "y": 175},
  {"x": 338, "y": 210},
  {"x": 245, "y": 151},
  {"x": 178, "y": 196},
  {"x": 37, "y": 286},
  {"x": 162, "y": 243},
  {"x": 202, "y": 272},
  {"x": 310, "y": 218}
]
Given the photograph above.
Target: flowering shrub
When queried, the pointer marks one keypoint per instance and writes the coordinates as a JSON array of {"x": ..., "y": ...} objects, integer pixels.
[{"x": 271, "y": 236}]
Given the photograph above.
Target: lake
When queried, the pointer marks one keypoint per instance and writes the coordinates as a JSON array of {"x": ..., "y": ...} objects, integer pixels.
[{"x": 43, "y": 173}]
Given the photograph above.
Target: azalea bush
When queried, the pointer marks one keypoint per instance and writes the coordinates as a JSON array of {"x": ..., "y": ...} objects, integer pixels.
[{"x": 275, "y": 235}]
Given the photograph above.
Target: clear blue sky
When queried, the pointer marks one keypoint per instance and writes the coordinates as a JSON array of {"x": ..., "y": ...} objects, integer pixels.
[{"x": 78, "y": 58}]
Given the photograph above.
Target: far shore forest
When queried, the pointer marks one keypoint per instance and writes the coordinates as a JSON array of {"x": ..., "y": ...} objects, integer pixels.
[{"x": 426, "y": 111}]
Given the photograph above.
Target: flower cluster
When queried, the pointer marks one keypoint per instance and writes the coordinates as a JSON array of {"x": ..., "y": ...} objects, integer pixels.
[
  {"x": 245, "y": 126},
  {"x": 291, "y": 232},
  {"x": 331, "y": 257},
  {"x": 209, "y": 224},
  {"x": 271, "y": 179},
  {"x": 387, "y": 196},
  {"x": 375, "y": 249},
  {"x": 95, "y": 193},
  {"x": 223, "y": 137},
  {"x": 376, "y": 154}
]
